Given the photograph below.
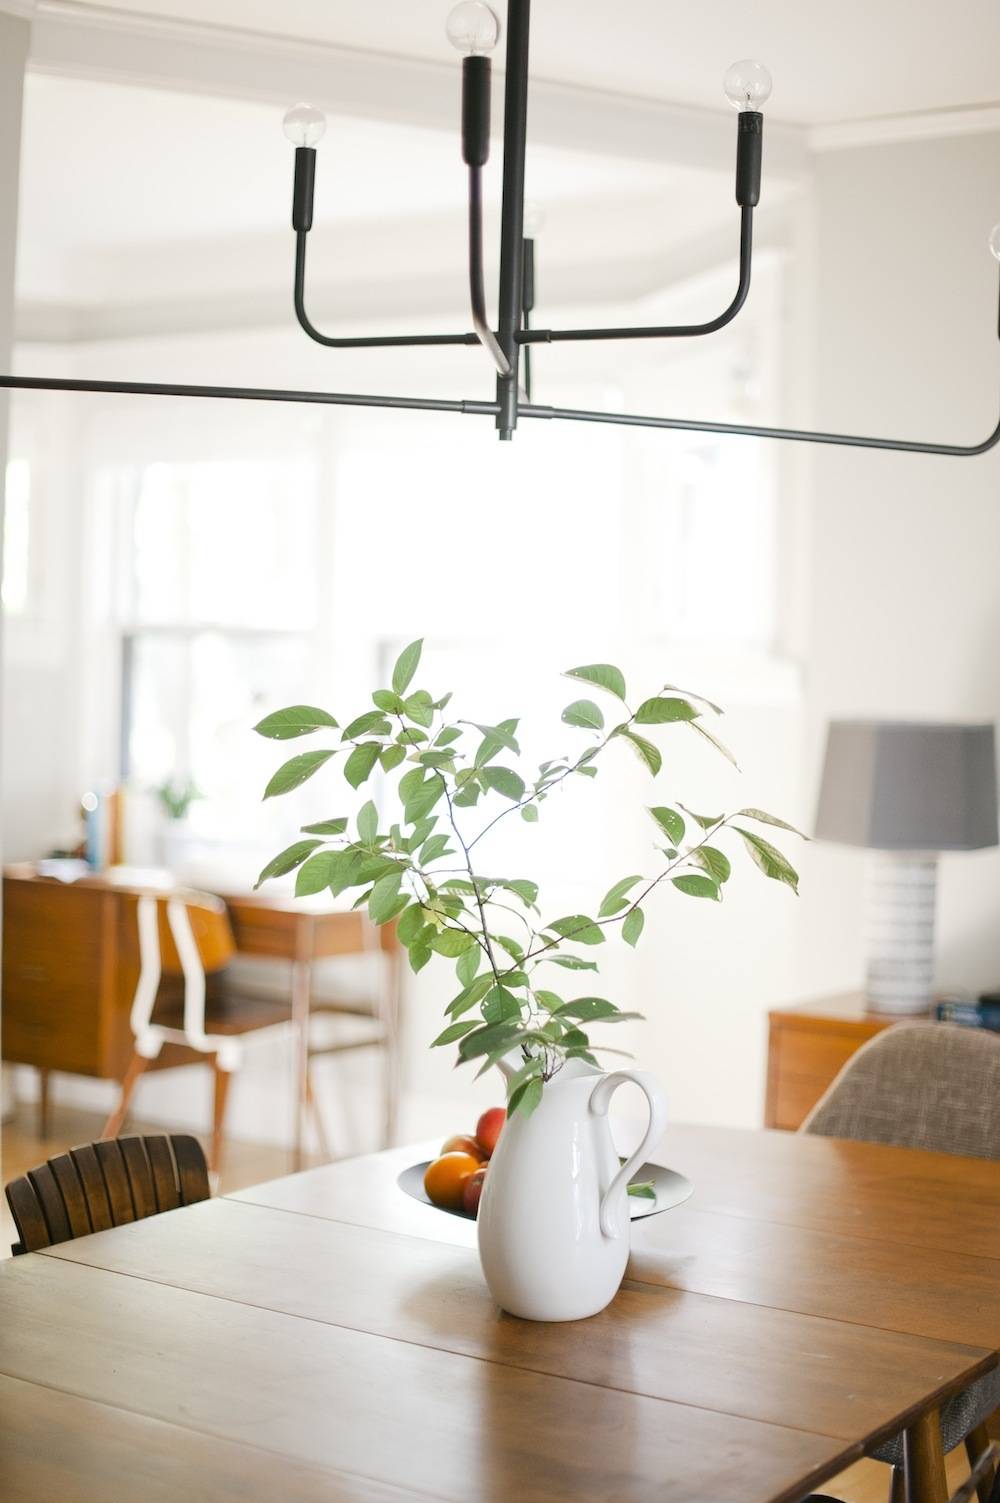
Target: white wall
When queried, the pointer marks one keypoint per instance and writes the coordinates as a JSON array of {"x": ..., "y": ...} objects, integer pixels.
[{"x": 903, "y": 614}]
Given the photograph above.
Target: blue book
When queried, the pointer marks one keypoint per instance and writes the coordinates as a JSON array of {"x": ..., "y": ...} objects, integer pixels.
[{"x": 982, "y": 1014}]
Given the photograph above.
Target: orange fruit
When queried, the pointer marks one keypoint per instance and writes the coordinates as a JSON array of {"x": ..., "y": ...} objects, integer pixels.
[
  {"x": 463, "y": 1143},
  {"x": 444, "y": 1180}
]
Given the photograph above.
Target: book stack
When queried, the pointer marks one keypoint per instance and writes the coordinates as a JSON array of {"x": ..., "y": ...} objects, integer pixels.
[{"x": 984, "y": 1013}]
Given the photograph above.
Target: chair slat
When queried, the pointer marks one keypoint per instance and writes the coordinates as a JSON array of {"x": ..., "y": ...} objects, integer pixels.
[
  {"x": 75, "y": 1202},
  {"x": 44, "y": 1185},
  {"x": 192, "y": 1170},
  {"x": 115, "y": 1181},
  {"x": 27, "y": 1213},
  {"x": 162, "y": 1165},
  {"x": 92, "y": 1181},
  {"x": 140, "y": 1176}
]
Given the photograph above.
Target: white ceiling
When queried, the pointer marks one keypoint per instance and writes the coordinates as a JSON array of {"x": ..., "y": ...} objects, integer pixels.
[{"x": 857, "y": 60}]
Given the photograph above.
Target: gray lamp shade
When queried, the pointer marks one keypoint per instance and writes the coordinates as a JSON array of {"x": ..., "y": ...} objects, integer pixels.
[{"x": 906, "y": 786}]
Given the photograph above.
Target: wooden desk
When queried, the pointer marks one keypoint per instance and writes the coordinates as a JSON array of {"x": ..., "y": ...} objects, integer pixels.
[
  {"x": 808, "y": 1045},
  {"x": 325, "y": 1337},
  {"x": 71, "y": 961}
]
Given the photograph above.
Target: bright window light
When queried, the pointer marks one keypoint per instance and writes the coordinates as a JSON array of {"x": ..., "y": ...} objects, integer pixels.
[{"x": 17, "y": 537}]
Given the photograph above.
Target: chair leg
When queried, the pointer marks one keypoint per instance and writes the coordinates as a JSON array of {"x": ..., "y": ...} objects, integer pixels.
[
  {"x": 923, "y": 1459},
  {"x": 326, "y": 1152},
  {"x": 136, "y": 1067},
  {"x": 976, "y": 1442},
  {"x": 219, "y": 1115},
  {"x": 897, "y": 1486},
  {"x": 391, "y": 1048},
  {"x": 44, "y": 1121}
]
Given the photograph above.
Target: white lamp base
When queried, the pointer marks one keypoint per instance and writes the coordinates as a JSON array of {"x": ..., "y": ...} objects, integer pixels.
[{"x": 902, "y": 891}]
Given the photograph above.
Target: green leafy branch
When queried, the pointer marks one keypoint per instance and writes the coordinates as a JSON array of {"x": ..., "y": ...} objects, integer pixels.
[{"x": 420, "y": 873}]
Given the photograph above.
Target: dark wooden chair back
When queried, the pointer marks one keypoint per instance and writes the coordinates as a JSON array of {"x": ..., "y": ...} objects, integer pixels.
[{"x": 105, "y": 1184}]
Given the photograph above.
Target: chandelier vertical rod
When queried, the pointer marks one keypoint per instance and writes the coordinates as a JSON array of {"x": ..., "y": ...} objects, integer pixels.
[{"x": 515, "y": 136}]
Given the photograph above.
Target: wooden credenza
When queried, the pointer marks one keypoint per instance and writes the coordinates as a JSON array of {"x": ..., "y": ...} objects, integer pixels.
[{"x": 807, "y": 1047}]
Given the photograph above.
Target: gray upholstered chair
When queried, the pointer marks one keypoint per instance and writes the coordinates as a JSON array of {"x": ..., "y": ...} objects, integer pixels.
[{"x": 931, "y": 1086}]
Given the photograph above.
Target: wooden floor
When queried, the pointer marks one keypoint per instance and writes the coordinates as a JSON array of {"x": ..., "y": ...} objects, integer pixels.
[{"x": 251, "y": 1163}]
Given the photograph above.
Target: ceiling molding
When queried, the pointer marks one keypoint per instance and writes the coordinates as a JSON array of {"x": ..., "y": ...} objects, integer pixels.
[
  {"x": 935, "y": 124},
  {"x": 115, "y": 46},
  {"x": 25, "y": 9}
]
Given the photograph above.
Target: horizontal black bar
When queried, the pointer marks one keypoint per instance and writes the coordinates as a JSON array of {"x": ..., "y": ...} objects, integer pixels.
[
  {"x": 250, "y": 394},
  {"x": 491, "y": 409},
  {"x": 664, "y": 331},
  {"x": 381, "y": 341},
  {"x": 747, "y": 430}
]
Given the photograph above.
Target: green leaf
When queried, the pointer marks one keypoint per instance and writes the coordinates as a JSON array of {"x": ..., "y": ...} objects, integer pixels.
[
  {"x": 696, "y": 886},
  {"x": 446, "y": 737},
  {"x": 496, "y": 738},
  {"x": 504, "y": 780},
  {"x": 360, "y": 763},
  {"x": 452, "y": 942},
  {"x": 406, "y": 666},
  {"x": 671, "y": 823},
  {"x": 528, "y": 1071},
  {"x": 649, "y": 753},
  {"x": 499, "y": 1004},
  {"x": 419, "y": 708},
  {"x": 316, "y": 873},
  {"x": 604, "y": 675},
  {"x": 585, "y": 713},
  {"x": 372, "y": 722},
  {"x": 771, "y": 861},
  {"x": 707, "y": 821},
  {"x": 665, "y": 711},
  {"x": 468, "y": 964},
  {"x": 420, "y": 832},
  {"x": 527, "y": 891},
  {"x": 386, "y": 901},
  {"x": 551, "y": 1001},
  {"x": 525, "y": 1097},
  {"x": 643, "y": 1189},
  {"x": 367, "y": 823},
  {"x": 529, "y": 814},
  {"x": 326, "y": 827},
  {"x": 411, "y": 924},
  {"x": 438, "y": 760},
  {"x": 632, "y": 927},
  {"x": 580, "y": 929},
  {"x": 473, "y": 993},
  {"x": 297, "y": 720},
  {"x": 486, "y": 1039},
  {"x": 769, "y": 819},
  {"x": 419, "y": 956},
  {"x": 294, "y": 773},
  {"x": 452, "y": 1032},
  {"x": 433, "y": 849},
  {"x": 571, "y": 962},
  {"x": 423, "y": 800},
  {"x": 676, "y": 689},
  {"x": 714, "y": 741},
  {"x": 587, "y": 1009},
  {"x": 716, "y": 863},
  {"x": 467, "y": 796},
  {"x": 386, "y": 700},
  {"x": 291, "y": 857},
  {"x": 391, "y": 757},
  {"x": 617, "y": 897}
]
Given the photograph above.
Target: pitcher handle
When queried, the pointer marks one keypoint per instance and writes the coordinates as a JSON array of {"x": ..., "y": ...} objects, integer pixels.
[{"x": 600, "y": 1100}]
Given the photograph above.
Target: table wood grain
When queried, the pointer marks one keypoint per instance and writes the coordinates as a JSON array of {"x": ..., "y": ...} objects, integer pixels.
[{"x": 330, "y": 1325}]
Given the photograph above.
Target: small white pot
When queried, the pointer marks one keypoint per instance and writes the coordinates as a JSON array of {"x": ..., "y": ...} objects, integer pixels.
[{"x": 553, "y": 1220}]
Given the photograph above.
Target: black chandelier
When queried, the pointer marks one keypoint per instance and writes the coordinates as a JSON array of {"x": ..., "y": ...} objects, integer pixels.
[{"x": 474, "y": 29}]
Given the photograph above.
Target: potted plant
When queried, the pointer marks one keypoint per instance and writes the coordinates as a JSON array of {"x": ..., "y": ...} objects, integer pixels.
[
  {"x": 175, "y": 797},
  {"x": 552, "y": 1221}
]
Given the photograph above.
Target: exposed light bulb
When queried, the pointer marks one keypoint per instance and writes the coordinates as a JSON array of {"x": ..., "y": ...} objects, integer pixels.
[
  {"x": 747, "y": 84},
  {"x": 304, "y": 125},
  {"x": 994, "y": 241},
  {"x": 473, "y": 28}
]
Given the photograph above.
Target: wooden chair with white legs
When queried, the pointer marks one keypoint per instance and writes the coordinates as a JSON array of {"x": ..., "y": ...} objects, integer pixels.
[{"x": 185, "y": 1002}]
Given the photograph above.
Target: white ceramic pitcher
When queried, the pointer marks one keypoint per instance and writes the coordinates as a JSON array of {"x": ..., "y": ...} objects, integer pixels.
[{"x": 553, "y": 1220}]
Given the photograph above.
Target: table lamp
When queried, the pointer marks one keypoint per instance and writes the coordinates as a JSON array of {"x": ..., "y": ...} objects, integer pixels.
[{"x": 906, "y": 791}]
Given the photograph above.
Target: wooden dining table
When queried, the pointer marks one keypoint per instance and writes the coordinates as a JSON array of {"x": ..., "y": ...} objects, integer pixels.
[{"x": 324, "y": 1336}]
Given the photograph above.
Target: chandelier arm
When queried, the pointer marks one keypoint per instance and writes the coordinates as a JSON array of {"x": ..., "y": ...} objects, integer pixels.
[
  {"x": 748, "y": 430},
  {"x": 251, "y": 394},
  {"x": 362, "y": 342},
  {"x": 477, "y": 285},
  {"x": 665, "y": 331}
]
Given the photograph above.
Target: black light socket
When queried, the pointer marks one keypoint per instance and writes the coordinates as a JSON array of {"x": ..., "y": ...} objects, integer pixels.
[
  {"x": 302, "y": 191},
  {"x": 749, "y": 155},
  {"x": 528, "y": 276},
  {"x": 476, "y": 111}
]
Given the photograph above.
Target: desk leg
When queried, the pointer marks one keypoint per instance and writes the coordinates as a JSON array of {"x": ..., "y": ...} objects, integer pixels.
[
  {"x": 301, "y": 996},
  {"x": 924, "y": 1461}
]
